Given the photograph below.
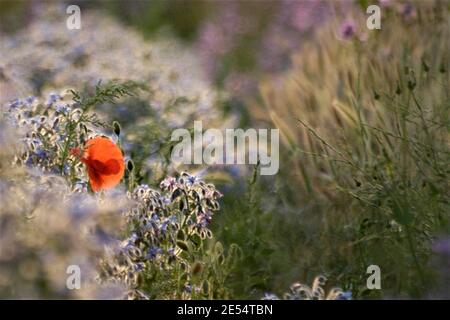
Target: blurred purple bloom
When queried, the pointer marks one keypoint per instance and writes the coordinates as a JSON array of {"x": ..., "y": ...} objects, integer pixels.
[
  {"x": 385, "y": 3},
  {"x": 53, "y": 97},
  {"x": 30, "y": 99},
  {"x": 62, "y": 108},
  {"x": 153, "y": 252},
  {"x": 347, "y": 29},
  {"x": 307, "y": 14},
  {"x": 347, "y": 295}
]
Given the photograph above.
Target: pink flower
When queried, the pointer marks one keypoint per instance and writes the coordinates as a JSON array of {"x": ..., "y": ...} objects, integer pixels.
[{"x": 347, "y": 30}]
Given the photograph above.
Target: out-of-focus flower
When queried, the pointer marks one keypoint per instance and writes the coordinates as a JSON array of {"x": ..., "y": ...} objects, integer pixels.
[
  {"x": 45, "y": 228},
  {"x": 307, "y": 14},
  {"x": 347, "y": 29},
  {"x": 385, "y": 3},
  {"x": 44, "y": 58},
  {"x": 164, "y": 225},
  {"x": 299, "y": 291},
  {"x": 243, "y": 40},
  {"x": 270, "y": 296}
]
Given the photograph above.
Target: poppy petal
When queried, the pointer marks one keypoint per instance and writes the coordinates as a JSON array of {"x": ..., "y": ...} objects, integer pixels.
[
  {"x": 105, "y": 163},
  {"x": 95, "y": 180}
]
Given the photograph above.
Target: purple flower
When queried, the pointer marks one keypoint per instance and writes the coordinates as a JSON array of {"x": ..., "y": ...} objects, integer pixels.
[
  {"x": 153, "y": 252},
  {"x": 347, "y": 29},
  {"x": 168, "y": 184},
  {"x": 347, "y": 295},
  {"x": 53, "y": 97},
  {"x": 40, "y": 153},
  {"x": 129, "y": 243},
  {"x": 30, "y": 99},
  {"x": 61, "y": 108},
  {"x": 16, "y": 103},
  {"x": 203, "y": 219},
  {"x": 385, "y": 3},
  {"x": 270, "y": 296},
  {"x": 307, "y": 14},
  {"x": 29, "y": 162},
  {"x": 188, "y": 288},
  {"x": 138, "y": 267}
]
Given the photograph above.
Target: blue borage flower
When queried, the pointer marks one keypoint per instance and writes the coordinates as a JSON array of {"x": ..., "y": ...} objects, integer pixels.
[
  {"x": 63, "y": 108},
  {"x": 270, "y": 296},
  {"x": 50, "y": 227},
  {"x": 299, "y": 291},
  {"x": 30, "y": 100},
  {"x": 43, "y": 124},
  {"x": 52, "y": 98},
  {"x": 164, "y": 224},
  {"x": 153, "y": 252}
]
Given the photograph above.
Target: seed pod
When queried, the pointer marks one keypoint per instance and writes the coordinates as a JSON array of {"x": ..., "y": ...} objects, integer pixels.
[
  {"x": 205, "y": 287},
  {"x": 116, "y": 128},
  {"x": 182, "y": 205},
  {"x": 83, "y": 128},
  {"x": 197, "y": 268},
  {"x": 196, "y": 239},
  {"x": 180, "y": 235},
  {"x": 130, "y": 165},
  {"x": 182, "y": 245},
  {"x": 175, "y": 194},
  {"x": 183, "y": 265}
]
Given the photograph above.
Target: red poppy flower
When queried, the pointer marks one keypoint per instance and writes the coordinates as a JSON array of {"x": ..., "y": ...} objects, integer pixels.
[{"x": 104, "y": 161}]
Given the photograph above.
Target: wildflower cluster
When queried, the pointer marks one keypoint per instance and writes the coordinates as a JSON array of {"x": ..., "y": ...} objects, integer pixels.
[
  {"x": 78, "y": 189},
  {"x": 45, "y": 228},
  {"x": 168, "y": 228},
  {"x": 50, "y": 128},
  {"x": 44, "y": 138},
  {"x": 46, "y": 57},
  {"x": 273, "y": 31},
  {"x": 299, "y": 291}
]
